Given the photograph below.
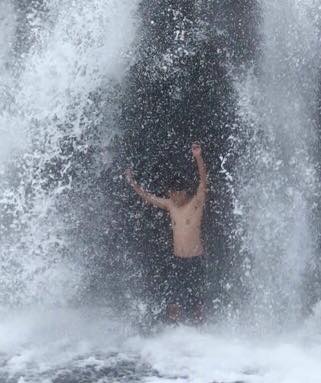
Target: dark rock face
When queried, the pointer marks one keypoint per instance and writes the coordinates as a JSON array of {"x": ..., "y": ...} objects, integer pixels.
[{"x": 179, "y": 90}]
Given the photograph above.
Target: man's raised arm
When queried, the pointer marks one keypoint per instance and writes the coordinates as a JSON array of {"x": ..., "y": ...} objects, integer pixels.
[
  {"x": 197, "y": 154},
  {"x": 162, "y": 203}
]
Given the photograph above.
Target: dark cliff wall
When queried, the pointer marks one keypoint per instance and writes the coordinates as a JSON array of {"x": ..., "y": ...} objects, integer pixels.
[{"x": 180, "y": 90}]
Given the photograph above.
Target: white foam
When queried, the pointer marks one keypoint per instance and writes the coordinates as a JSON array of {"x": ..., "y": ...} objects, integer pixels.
[{"x": 42, "y": 341}]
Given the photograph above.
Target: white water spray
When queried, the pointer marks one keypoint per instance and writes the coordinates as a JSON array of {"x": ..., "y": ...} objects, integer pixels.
[
  {"x": 75, "y": 49},
  {"x": 276, "y": 176}
]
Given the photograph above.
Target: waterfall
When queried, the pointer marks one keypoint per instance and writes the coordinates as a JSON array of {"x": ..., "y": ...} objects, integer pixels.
[
  {"x": 59, "y": 72},
  {"x": 89, "y": 88},
  {"x": 276, "y": 188}
]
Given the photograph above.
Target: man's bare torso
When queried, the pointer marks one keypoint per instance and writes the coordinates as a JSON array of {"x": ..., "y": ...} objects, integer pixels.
[
  {"x": 186, "y": 223},
  {"x": 186, "y": 214}
]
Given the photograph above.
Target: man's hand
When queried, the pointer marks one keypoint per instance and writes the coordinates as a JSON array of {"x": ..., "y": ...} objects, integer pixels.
[
  {"x": 162, "y": 203},
  {"x": 129, "y": 176},
  {"x": 202, "y": 188},
  {"x": 196, "y": 150}
]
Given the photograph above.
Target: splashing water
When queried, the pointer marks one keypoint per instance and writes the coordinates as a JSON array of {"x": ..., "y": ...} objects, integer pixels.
[
  {"x": 276, "y": 176},
  {"x": 75, "y": 49}
]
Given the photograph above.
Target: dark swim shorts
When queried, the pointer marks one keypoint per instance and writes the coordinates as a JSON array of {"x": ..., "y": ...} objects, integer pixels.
[{"x": 186, "y": 281}]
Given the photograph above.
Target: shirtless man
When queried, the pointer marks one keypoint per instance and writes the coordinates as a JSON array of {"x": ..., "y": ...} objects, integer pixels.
[{"x": 187, "y": 275}]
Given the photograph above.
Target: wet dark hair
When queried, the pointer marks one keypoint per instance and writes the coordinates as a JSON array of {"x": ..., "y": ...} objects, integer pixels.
[{"x": 178, "y": 183}]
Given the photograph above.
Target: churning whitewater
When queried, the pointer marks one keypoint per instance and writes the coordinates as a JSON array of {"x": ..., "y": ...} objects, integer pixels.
[{"x": 90, "y": 88}]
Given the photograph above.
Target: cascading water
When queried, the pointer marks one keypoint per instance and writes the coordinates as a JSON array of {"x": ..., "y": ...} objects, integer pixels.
[
  {"x": 76, "y": 51},
  {"x": 71, "y": 75},
  {"x": 8, "y": 30},
  {"x": 276, "y": 178}
]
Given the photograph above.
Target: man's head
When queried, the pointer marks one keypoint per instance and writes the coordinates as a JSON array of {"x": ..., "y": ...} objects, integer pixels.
[
  {"x": 179, "y": 191},
  {"x": 179, "y": 198}
]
